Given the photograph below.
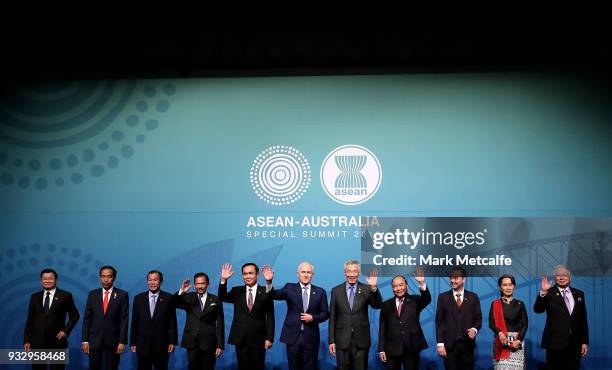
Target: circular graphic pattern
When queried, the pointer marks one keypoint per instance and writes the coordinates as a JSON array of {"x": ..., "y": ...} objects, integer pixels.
[{"x": 280, "y": 175}]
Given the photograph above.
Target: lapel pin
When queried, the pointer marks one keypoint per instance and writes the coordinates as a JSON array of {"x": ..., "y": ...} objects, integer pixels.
[
  {"x": 579, "y": 299},
  {"x": 161, "y": 299},
  {"x": 114, "y": 295},
  {"x": 313, "y": 293},
  {"x": 557, "y": 294},
  {"x": 56, "y": 299}
]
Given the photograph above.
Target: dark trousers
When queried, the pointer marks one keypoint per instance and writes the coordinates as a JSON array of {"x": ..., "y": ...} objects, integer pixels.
[
  {"x": 460, "y": 356},
  {"x": 300, "y": 357},
  {"x": 352, "y": 358},
  {"x": 103, "y": 359},
  {"x": 155, "y": 359},
  {"x": 250, "y": 358},
  {"x": 568, "y": 359},
  {"x": 409, "y": 360},
  {"x": 201, "y": 360}
]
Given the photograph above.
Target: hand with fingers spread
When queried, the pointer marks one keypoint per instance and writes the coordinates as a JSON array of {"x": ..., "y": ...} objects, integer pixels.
[
  {"x": 185, "y": 286},
  {"x": 545, "y": 285},
  {"x": 226, "y": 272},
  {"x": 372, "y": 280},
  {"x": 268, "y": 273},
  {"x": 419, "y": 276}
]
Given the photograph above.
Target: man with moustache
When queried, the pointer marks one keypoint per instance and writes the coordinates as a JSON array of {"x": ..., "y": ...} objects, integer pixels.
[
  {"x": 400, "y": 336},
  {"x": 204, "y": 334},
  {"x": 105, "y": 323},
  {"x": 306, "y": 309},
  {"x": 458, "y": 320},
  {"x": 252, "y": 330},
  {"x": 46, "y": 326},
  {"x": 566, "y": 332},
  {"x": 153, "y": 333},
  {"x": 349, "y": 324}
]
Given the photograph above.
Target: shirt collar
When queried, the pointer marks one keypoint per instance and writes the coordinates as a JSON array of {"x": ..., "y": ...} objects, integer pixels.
[
  {"x": 349, "y": 285},
  {"x": 304, "y": 286},
  {"x": 52, "y": 291},
  {"x": 462, "y": 291},
  {"x": 151, "y": 294},
  {"x": 110, "y": 291}
]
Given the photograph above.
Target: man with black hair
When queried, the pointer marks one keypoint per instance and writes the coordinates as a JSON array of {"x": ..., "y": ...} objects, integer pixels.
[
  {"x": 153, "y": 333},
  {"x": 46, "y": 326},
  {"x": 204, "y": 333},
  {"x": 105, "y": 323},
  {"x": 458, "y": 320},
  {"x": 252, "y": 330}
]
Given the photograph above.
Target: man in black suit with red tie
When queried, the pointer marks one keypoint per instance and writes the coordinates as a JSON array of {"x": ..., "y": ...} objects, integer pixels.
[
  {"x": 458, "y": 320},
  {"x": 153, "y": 334},
  {"x": 46, "y": 326},
  {"x": 105, "y": 323},
  {"x": 400, "y": 336},
  {"x": 252, "y": 330},
  {"x": 204, "y": 333},
  {"x": 566, "y": 332}
]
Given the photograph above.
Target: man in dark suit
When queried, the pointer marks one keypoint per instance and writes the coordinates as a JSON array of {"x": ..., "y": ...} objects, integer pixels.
[
  {"x": 349, "y": 324},
  {"x": 204, "y": 333},
  {"x": 400, "y": 336},
  {"x": 153, "y": 334},
  {"x": 105, "y": 323},
  {"x": 458, "y": 320},
  {"x": 252, "y": 330},
  {"x": 306, "y": 309},
  {"x": 566, "y": 332},
  {"x": 46, "y": 326}
]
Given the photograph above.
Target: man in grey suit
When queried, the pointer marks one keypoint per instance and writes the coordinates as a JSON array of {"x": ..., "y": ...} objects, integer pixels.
[{"x": 349, "y": 324}]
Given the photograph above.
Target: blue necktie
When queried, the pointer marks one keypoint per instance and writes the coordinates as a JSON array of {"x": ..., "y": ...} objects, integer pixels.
[
  {"x": 46, "y": 304},
  {"x": 351, "y": 296},
  {"x": 305, "y": 299},
  {"x": 152, "y": 304}
]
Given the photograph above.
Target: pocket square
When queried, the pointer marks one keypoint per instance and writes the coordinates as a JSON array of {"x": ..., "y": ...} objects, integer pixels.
[{"x": 213, "y": 304}]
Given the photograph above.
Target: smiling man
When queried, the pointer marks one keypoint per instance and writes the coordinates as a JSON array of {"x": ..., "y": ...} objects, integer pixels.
[
  {"x": 349, "y": 323},
  {"x": 306, "y": 309},
  {"x": 566, "y": 332}
]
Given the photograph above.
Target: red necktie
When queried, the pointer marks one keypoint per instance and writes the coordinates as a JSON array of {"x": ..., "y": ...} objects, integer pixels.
[
  {"x": 399, "y": 307},
  {"x": 105, "y": 301},
  {"x": 458, "y": 299}
]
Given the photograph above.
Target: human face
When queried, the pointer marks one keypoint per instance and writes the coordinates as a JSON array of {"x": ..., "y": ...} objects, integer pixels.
[
  {"x": 399, "y": 287},
  {"x": 562, "y": 277},
  {"x": 153, "y": 281},
  {"x": 351, "y": 272},
  {"x": 48, "y": 281},
  {"x": 106, "y": 278},
  {"x": 456, "y": 282},
  {"x": 506, "y": 287},
  {"x": 249, "y": 275},
  {"x": 305, "y": 273},
  {"x": 200, "y": 284}
]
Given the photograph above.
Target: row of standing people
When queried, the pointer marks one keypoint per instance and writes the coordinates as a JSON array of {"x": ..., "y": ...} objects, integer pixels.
[{"x": 153, "y": 334}]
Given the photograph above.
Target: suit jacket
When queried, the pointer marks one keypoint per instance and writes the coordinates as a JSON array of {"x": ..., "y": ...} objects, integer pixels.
[
  {"x": 561, "y": 328},
  {"x": 453, "y": 322},
  {"x": 204, "y": 329},
  {"x": 41, "y": 329},
  {"x": 153, "y": 334},
  {"x": 106, "y": 331},
  {"x": 396, "y": 333},
  {"x": 343, "y": 321},
  {"x": 249, "y": 328},
  {"x": 317, "y": 307}
]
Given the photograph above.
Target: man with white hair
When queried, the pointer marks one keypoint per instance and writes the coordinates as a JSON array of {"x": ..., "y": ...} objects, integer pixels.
[
  {"x": 349, "y": 323},
  {"x": 566, "y": 332},
  {"x": 306, "y": 309}
]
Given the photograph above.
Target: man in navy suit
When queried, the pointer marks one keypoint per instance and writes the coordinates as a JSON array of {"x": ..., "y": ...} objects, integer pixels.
[
  {"x": 566, "y": 332},
  {"x": 46, "y": 326},
  {"x": 105, "y": 323},
  {"x": 458, "y": 320},
  {"x": 252, "y": 330},
  {"x": 400, "y": 336},
  {"x": 306, "y": 309},
  {"x": 153, "y": 334}
]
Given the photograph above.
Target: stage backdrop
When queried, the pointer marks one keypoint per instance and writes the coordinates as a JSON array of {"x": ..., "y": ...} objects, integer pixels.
[{"x": 184, "y": 175}]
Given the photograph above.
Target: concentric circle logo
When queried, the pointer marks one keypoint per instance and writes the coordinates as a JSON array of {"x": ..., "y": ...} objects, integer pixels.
[
  {"x": 351, "y": 174},
  {"x": 280, "y": 175}
]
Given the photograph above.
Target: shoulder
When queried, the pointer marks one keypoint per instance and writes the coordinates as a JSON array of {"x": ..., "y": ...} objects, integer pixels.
[
  {"x": 390, "y": 301},
  {"x": 469, "y": 293},
  {"x": 338, "y": 287},
  {"x": 445, "y": 295},
  {"x": 164, "y": 294},
  {"x": 318, "y": 289},
  {"x": 93, "y": 292},
  {"x": 120, "y": 292},
  {"x": 576, "y": 291}
]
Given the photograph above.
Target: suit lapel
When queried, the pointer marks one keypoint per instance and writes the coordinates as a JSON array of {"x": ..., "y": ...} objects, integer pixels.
[
  {"x": 559, "y": 297},
  {"x": 405, "y": 306},
  {"x": 344, "y": 296},
  {"x": 298, "y": 291},
  {"x": 56, "y": 300}
]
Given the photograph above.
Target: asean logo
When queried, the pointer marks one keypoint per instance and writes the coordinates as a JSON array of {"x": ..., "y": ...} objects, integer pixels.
[
  {"x": 351, "y": 174},
  {"x": 280, "y": 175}
]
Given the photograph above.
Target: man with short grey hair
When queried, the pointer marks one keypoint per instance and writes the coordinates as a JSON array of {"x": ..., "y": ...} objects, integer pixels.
[
  {"x": 349, "y": 323},
  {"x": 566, "y": 332}
]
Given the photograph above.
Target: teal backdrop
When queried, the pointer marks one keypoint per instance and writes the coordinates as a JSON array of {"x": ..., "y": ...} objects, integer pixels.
[{"x": 156, "y": 174}]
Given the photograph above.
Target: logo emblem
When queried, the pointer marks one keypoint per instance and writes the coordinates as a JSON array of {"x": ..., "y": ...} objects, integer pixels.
[
  {"x": 351, "y": 174},
  {"x": 280, "y": 175}
]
